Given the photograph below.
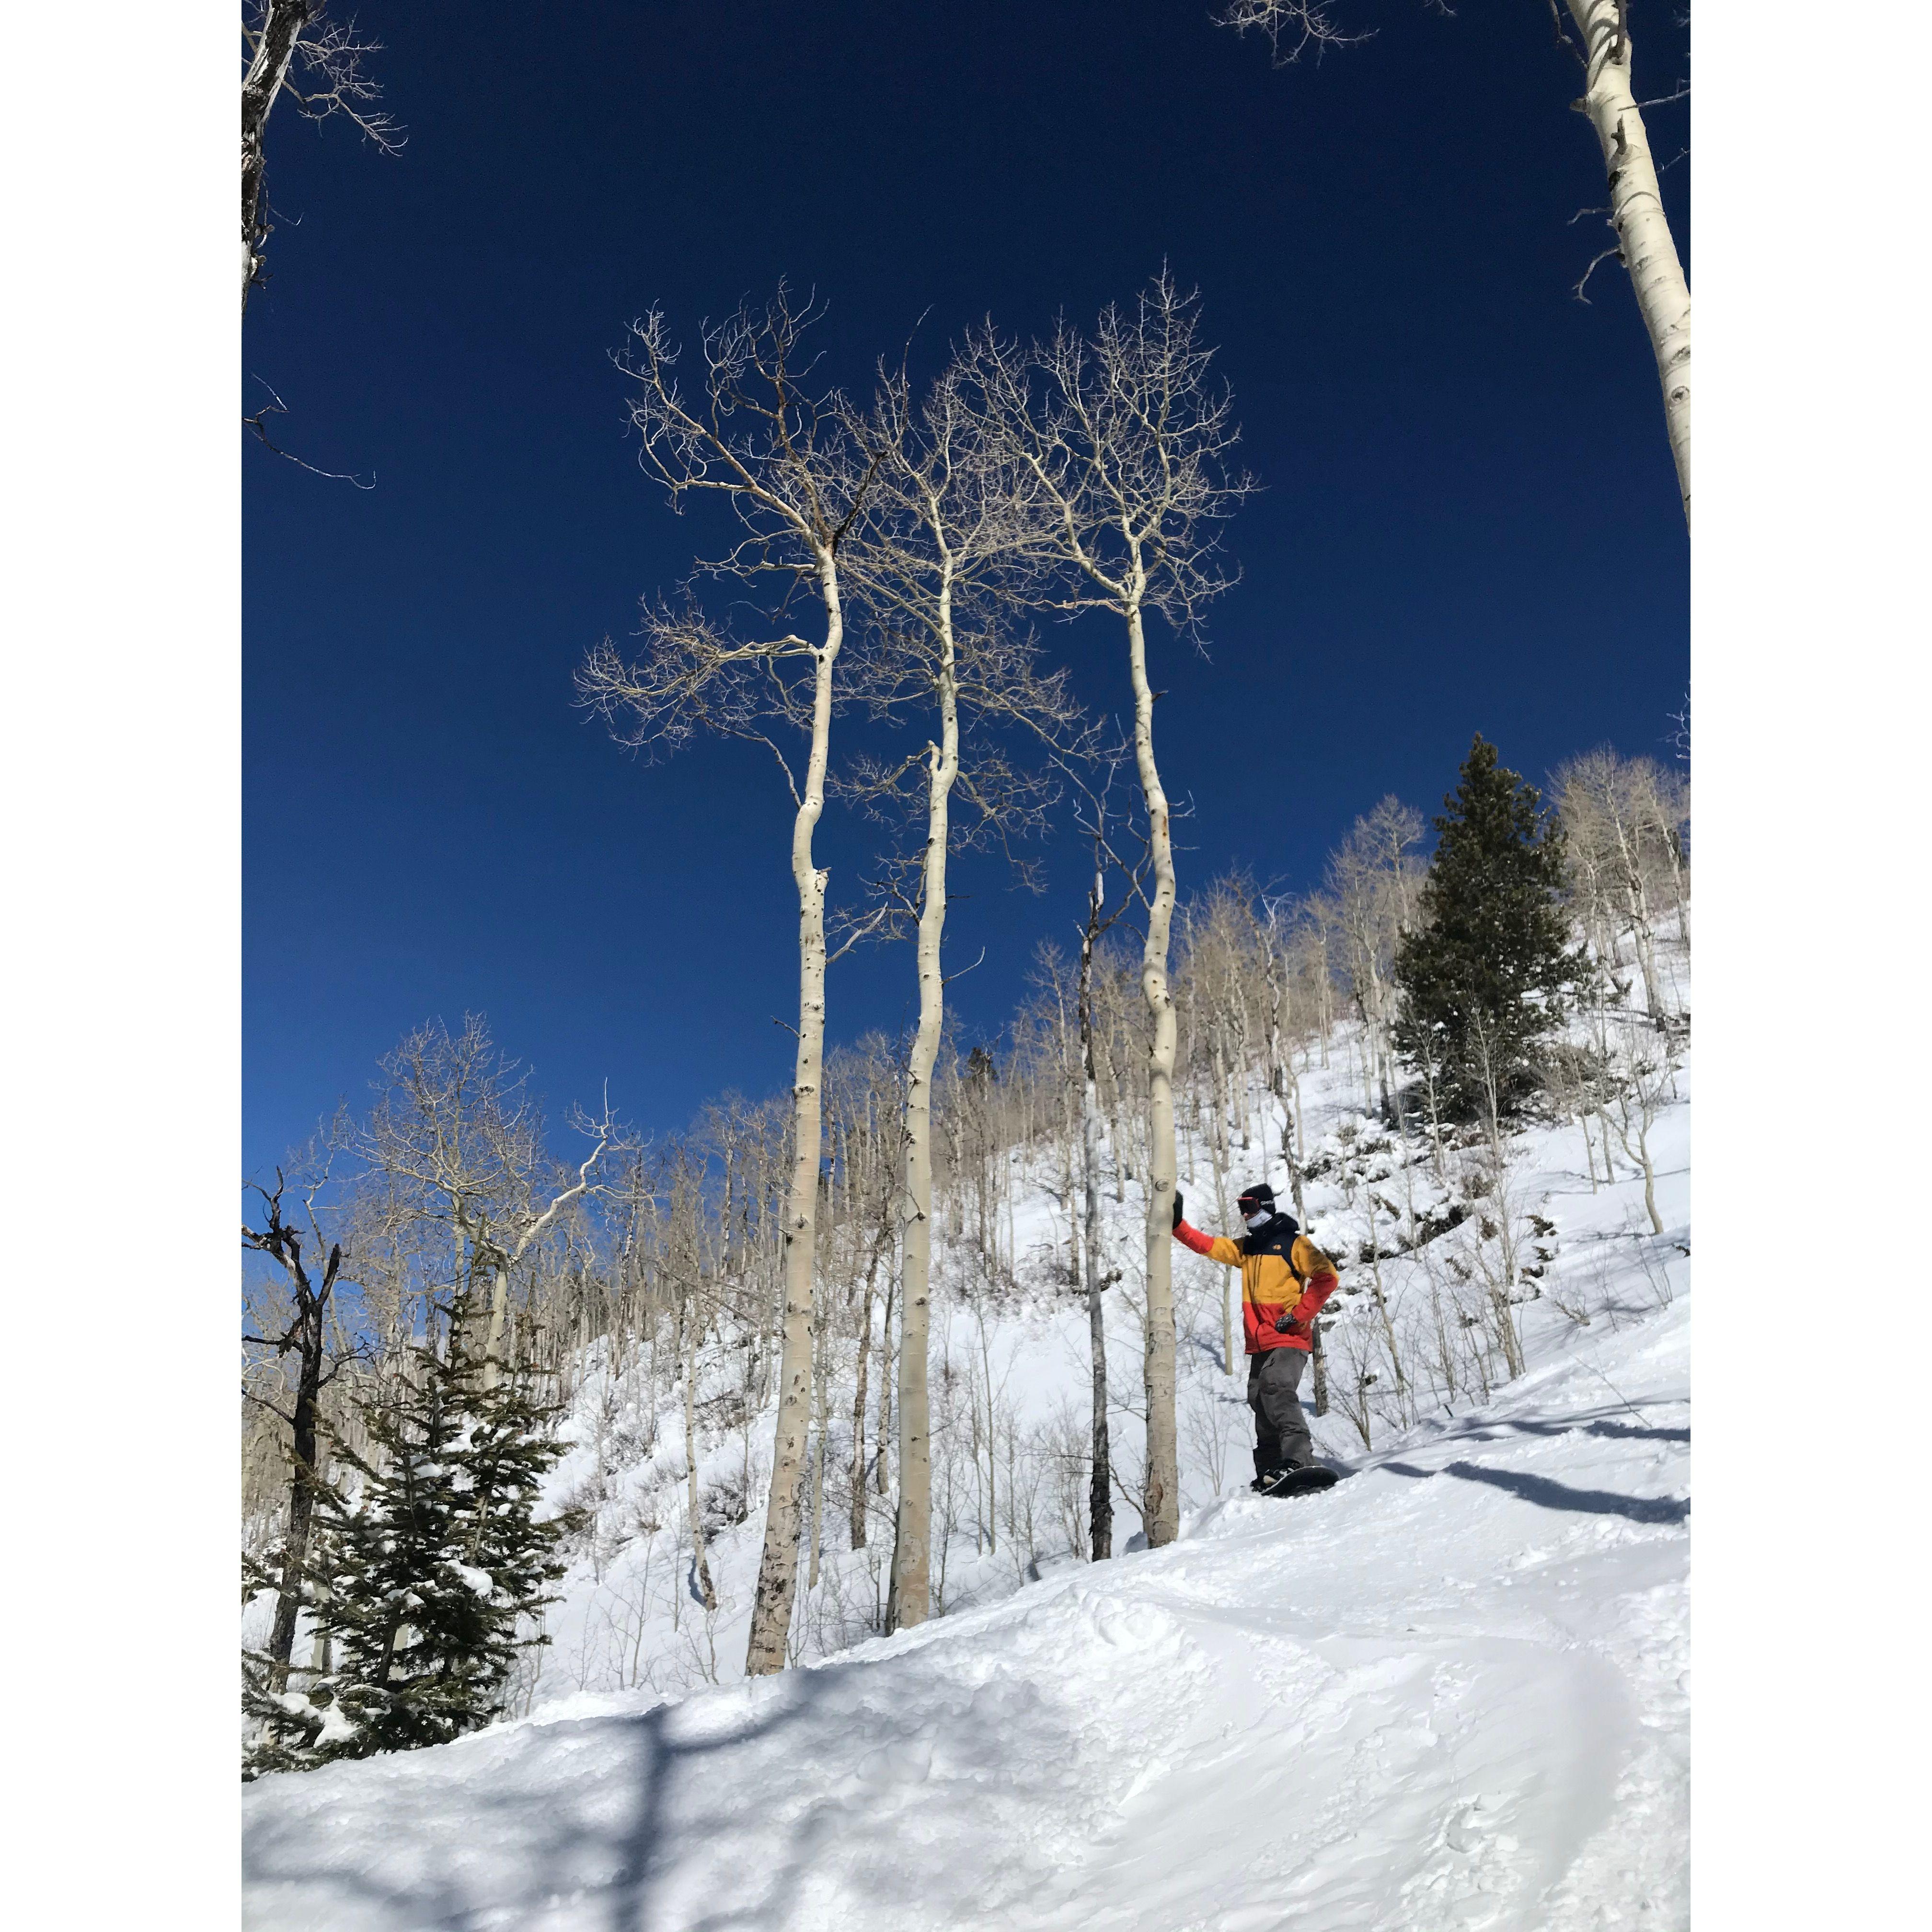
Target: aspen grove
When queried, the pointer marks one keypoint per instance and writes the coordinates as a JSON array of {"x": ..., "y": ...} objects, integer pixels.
[{"x": 773, "y": 1357}]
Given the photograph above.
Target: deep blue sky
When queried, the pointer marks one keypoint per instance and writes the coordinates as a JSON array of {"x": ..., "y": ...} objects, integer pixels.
[{"x": 1470, "y": 520}]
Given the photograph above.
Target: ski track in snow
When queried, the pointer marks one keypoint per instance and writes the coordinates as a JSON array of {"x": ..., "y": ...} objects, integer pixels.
[{"x": 1449, "y": 1695}]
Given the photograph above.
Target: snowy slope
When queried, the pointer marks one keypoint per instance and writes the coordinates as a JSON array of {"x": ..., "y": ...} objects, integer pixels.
[
  {"x": 629, "y": 1618},
  {"x": 1450, "y": 1693}
]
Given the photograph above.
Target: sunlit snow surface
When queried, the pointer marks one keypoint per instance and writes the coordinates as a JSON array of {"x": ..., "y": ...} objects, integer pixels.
[{"x": 1449, "y": 1693}]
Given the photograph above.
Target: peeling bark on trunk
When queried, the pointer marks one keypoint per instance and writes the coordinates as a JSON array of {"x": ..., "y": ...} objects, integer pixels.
[
  {"x": 777, "y": 1565},
  {"x": 282, "y": 23},
  {"x": 307, "y": 1337},
  {"x": 1636, "y": 213}
]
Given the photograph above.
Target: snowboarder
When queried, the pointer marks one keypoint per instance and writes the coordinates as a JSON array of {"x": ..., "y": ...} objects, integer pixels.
[{"x": 1284, "y": 1279}]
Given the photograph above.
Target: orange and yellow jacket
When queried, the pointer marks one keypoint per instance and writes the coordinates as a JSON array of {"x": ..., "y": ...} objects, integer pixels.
[{"x": 1282, "y": 1273}]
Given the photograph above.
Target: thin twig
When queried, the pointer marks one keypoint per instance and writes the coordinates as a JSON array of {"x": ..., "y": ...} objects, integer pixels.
[
  {"x": 278, "y": 408},
  {"x": 1578, "y": 290}
]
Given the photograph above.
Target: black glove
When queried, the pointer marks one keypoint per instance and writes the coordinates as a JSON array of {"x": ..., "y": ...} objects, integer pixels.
[
  {"x": 1284, "y": 1324},
  {"x": 1177, "y": 1207}
]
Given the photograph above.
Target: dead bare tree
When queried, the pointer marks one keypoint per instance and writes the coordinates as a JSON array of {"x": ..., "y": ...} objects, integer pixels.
[
  {"x": 1128, "y": 442},
  {"x": 307, "y": 1339},
  {"x": 290, "y": 48},
  {"x": 789, "y": 463}
]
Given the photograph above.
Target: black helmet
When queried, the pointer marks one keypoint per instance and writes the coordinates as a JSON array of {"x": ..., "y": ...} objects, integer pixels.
[{"x": 1253, "y": 1201}]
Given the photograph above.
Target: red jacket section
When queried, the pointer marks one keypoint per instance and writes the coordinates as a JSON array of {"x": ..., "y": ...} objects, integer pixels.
[{"x": 1272, "y": 1284}]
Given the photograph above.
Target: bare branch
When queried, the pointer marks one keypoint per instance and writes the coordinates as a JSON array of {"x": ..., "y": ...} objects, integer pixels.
[
  {"x": 964, "y": 971},
  {"x": 1292, "y": 27},
  {"x": 1613, "y": 252},
  {"x": 860, "y": 930},
  {"x": 276, "y": 406}
]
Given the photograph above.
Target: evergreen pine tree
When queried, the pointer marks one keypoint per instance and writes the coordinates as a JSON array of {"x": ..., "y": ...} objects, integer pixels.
[
  {"x": 1481, "y": 978},
  {"x": 433, "y": 1563}
]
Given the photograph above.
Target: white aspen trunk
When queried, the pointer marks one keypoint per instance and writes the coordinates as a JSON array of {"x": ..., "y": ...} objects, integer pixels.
[
  {"x": 992, "y": 1445},
  {"x": 1220, "y": 1155},
  {"x": 821, "y": 1377},
  {"x": 1382, "y": 1303},
  {"x": 500, "y": 1317},
  {"x": 1630, "y": 853},
  {"x": 912, "y": 1550},
  {"x": 1637, "y": 213},
  {"x": 858, "y": 1404},
  {"x": 778, "y": 1564},
  {"x": 1298, "y": 1158},
  {"x": 1163, "y": 1508},
  {"x": 882, "y": 1432},
  {"x": 699, "y": 1564}
]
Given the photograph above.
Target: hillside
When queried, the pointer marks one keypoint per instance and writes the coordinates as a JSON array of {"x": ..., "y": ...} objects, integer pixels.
[{"x": 1449, "y": 1693}]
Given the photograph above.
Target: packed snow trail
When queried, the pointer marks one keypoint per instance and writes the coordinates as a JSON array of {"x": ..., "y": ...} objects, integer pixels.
[{"x": 1449, "y": 1693}]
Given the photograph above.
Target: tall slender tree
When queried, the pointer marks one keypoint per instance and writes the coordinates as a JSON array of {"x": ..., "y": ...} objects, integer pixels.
[
  {"x": 1129, "y": 441},
  {"x": 952, "y": 521},
  {"x": 790, "y": 463}
]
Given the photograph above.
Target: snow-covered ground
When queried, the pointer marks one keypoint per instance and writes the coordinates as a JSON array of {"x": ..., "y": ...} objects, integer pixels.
[{"x": 1449, "y": 1693}]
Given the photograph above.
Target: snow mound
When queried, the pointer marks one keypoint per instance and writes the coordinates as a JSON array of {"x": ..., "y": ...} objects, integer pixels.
[{"x": 1449, "y": 1693}]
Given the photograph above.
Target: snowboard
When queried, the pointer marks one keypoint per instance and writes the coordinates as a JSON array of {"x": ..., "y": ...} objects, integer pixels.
[{"x": 1301, "y": 1482}]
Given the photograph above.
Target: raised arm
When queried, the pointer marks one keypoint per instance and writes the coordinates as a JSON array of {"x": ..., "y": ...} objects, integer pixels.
[{"x": 1216, "y": 1247}]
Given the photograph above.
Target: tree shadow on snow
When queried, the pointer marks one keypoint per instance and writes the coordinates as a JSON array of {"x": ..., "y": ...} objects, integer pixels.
[
  {"x": 1594, "y": 1422},
  {"x": 615, "y": 1866},
  {"x": 1548, "y": 1493},
  {"x": 580, "y": 1838}
]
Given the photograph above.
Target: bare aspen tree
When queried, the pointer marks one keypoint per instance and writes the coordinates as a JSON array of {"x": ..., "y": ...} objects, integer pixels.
[
  {"x": 1092, "y": 821},
  {"x": 289, "y": 48},
  {"x": 692, "y": 1320},
  {"x": 787, "y": 462},
  {"x": 1644, "y": 245},
  {"x": 1372, "y": 881},
  {"x": 1128, "y": 443},
  {"x": 1621, "y": 818},
  {"x": 949, "y": 520},
  {"x": 1641, "y": 1083},
  {"x": 455, "y": 1122},
  {"x": 1277, "y": 946}
]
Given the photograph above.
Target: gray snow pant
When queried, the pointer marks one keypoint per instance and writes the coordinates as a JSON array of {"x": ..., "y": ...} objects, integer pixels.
[{"x": 1281, "y": 1440}]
